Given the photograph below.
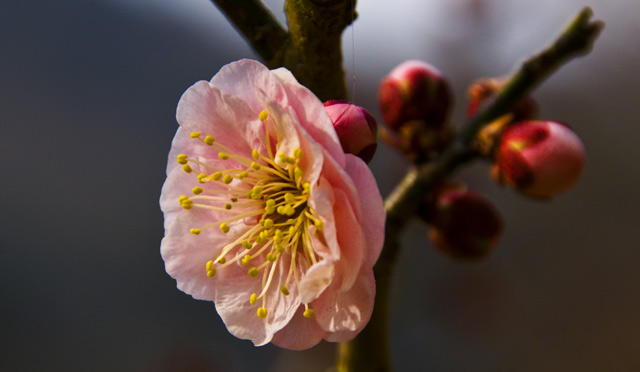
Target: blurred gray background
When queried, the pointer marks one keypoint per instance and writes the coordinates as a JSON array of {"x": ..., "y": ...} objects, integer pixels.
[{"x": 88, "y": 96}]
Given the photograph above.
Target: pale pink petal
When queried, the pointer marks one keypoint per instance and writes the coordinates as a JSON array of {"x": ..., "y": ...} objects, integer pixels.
[
  {"x": 372, "y": 206},
  {"x": 301, "y": 333},
  {"x": 350, "y": 239},
  {"x": 316, "y": 280},
  {"x": 322, "y": 200},
  {"x": 185, "y": 255},
  {"x": 349, "y": 310},
  {"x": 240, "y": 317},
  {"x": 230, "y": 120},
  {"x": 312, "y": 114},
  {"x": 245, "y": 78}
]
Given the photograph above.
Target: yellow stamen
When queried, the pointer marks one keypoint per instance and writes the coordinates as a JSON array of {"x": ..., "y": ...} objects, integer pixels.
[
  {"x": 263, "y": 115},
  {"x": 224, "y": 227},
  {"x": 195, "y": 231},
  {"x": 253, "y": 299},
  {"x": 309, "y": 313},
  {"x": 194, "y": 134},
  {"x": 262, "y": 312}
]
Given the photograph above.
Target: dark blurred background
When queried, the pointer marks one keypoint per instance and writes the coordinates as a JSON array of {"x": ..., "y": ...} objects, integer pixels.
[{"x": 88, "y": 96}]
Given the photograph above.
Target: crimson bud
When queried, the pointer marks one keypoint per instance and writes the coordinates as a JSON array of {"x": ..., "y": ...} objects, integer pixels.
[
  {"x": 414, "y": 90},
  {"x": 356, "y": 128},
  {"x": 539, "y": 158}
]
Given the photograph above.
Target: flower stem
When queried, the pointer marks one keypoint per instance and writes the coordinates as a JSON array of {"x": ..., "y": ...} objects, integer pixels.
[{"x": 370, "y": 350}]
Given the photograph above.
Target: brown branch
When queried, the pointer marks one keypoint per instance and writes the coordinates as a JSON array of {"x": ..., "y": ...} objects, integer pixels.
[{"x": 259, "y": 27}]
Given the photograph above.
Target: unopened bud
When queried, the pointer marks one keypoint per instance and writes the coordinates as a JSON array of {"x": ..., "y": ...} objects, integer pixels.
[
  {"x": 356, "y": 128},
  {"x": 414, "y": 90},
  {"x": 539, "y": 158},
  {"x": 464, "y": 225},
  {"x": 483, "y": 90}
]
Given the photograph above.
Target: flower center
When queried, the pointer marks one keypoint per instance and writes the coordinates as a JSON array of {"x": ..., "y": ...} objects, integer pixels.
[{"x": 267, "y": 199}]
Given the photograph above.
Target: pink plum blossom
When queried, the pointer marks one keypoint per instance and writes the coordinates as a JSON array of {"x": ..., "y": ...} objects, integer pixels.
[{"x": 265, "y": 215}]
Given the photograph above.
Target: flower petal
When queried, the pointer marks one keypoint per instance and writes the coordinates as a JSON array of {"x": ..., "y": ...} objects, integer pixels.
[
  {"x": 205, "y": 108},
  {"x": 245, "y": 78},
  {"x": 185, "y": 255},
  {"x": 232, "y": 302},
  {"x": 312, "y": 114},
  {"x": 373, "y": 214},
  {"x": 347, "y": 311},
  {"x": 301, "y": 333},
  {"x": 316, "y": 280}
]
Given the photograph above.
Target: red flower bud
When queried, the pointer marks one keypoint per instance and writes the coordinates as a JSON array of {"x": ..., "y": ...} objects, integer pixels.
[
  {"x": 414, "y": 90},
  {"x": 356, "y": 128},
  {"x": 539, "y": 158},
  {"x": 465, "y": 225}
]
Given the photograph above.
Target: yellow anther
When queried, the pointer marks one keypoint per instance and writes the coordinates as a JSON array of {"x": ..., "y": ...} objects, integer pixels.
[
  {"x": 255, "y": 154},
  {"x": 281, "y": 210},
  {"x": 309, "y": 313},
  {"x": 211, "y": 273},
  {"x": 221, "y": 260},
  {"x": 306, "y": 188},
  {"x": 255, "y": 166},
  {"x": 202, "y": 178},
  {"x": 298, "y": 172},
  {"x": 227, "y": 178},
  {"x": 209, "y": 265},
  {"x": 270, "y": 203},
  {"x": 289, "y": 198},
  {"x": 227, "y": 206},
  {"x": 194, "y": 134},
  {"x": 271, "y": 257},
  {"x": 319, "y": 224},
  {"x": 279, "y": 248},
  {"x": 268, "y": 223},
  {"x": 224, "y": 227},
  {"x": 243, "y": 175},
  {"x": 245, "y": 260},
  {"x": 197, "y": 190},
  {"x": 284, "y": 290},
  {"x": 292, "y": 230},
  {"x": 223, "y": 156},
  {"x": 262, "y": 313},
  {"x": 263, "y": 115},
  {"x": 187, "y": 204},
  {"x": 290, "y": 160},
  {"x": 246, "y": 244},
  {"x": 216, "y": 176},
  {"x": 253, "y": 272},
  {"x": 290, "y": 210},
  {"x": 183, "y": 198},
  {"x": 195, "y": 231},
  {"x": 234, "y": 199},
  {"x": 182, "y": 159},
  {"x": 187, "y": 168},
  {"x": 282, "y": 157},
  {"x": 253, "y": 299},
  {"x": 209, "y": 140},
  {"x": 278, "y": 233},
  {"x": 297, "y": 153}
]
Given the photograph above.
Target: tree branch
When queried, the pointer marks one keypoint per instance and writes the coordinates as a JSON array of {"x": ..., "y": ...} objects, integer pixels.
[
  {"x": 369, "y": 351},
  {"x": 259, "y": 27},
  {"x": 315, "y": 52}
]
